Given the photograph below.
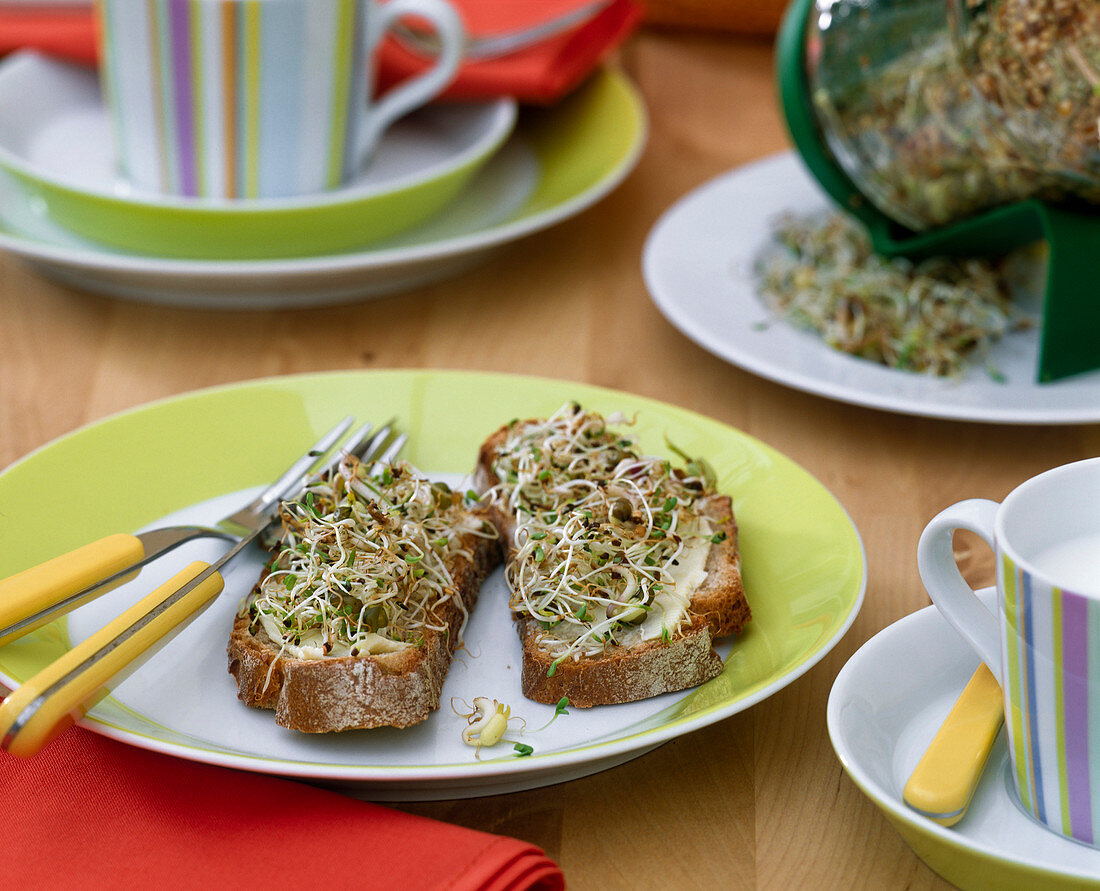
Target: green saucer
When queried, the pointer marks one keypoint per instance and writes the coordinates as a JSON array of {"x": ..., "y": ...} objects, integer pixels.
[{"x": 55, "y": 140}]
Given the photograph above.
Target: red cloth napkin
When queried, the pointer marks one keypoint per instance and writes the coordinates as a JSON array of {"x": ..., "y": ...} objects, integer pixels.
[
  {"x": 540, "y": 74},
  {"x": 90, "y": 812},
  {"x": 67, "y": 32}
]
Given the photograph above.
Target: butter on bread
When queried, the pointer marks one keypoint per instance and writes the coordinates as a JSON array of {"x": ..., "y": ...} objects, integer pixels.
[
  {"x": 355, "y": 621},
  {"x": 622, "y": 569}
]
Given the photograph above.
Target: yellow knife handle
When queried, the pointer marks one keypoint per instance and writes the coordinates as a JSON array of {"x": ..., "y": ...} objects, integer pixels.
[
  {"x": 945, "y": 778},
  {"x": 61, "y": 693},
  {"x": 47, "y": 584}
]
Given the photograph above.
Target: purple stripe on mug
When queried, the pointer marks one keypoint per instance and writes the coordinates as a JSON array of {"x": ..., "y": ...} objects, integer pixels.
[
  {"x": 1092, "y": 697},
  {"x": 230, "y": 99},
  {"x": 1075, "y": 685},
  {"x": 158, "y": 78},
  {"x": 179, "y": 26},
  {"x": 1043, "y": 644}
]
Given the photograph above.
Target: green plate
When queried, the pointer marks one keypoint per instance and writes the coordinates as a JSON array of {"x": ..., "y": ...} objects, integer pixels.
[{"x": 190, "y": 457}]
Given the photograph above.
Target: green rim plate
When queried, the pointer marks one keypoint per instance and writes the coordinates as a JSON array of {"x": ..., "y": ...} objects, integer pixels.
[{"x": 803, "y": 561}]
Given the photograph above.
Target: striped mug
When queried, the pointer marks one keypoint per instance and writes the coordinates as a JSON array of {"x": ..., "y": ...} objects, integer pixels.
[
  {"x": 1044, "y": 643},
  {"x": 231, "y": 99}
]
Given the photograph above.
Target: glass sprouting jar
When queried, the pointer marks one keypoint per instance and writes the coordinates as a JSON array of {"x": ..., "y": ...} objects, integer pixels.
[{"x": 940, "y": 109}]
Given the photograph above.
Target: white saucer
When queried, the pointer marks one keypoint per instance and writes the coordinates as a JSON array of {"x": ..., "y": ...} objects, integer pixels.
[
  {"x": 885, "y": 706},
  {"x": 445, "y": 246},
  {"x": 699, "y": 266}
]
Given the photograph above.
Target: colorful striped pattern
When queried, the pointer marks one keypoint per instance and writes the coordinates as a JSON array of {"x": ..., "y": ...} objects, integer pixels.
[
  {"x": 1051, "y": 647},
  {"x": 234, "y": 98}
]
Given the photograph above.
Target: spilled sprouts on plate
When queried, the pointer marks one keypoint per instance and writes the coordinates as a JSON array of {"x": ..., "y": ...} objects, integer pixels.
[
  {"x": 489, "y": 719},
  {"x": 931, "y": 316}
]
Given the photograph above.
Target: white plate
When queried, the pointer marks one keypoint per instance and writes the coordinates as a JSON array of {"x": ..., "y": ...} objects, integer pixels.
[
  {"x": 533, "y": 182},
  {"x": 885, "y": 706},
  {"x": 473, "y": 226},
  {"x": 699, "y": 266}
]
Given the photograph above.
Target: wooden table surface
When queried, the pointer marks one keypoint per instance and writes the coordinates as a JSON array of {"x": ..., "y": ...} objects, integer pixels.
[{"x": 756, "y": 800}]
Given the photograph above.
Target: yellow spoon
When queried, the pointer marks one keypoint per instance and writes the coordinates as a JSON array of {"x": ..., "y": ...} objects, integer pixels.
[{"x": 944, "y": 780}]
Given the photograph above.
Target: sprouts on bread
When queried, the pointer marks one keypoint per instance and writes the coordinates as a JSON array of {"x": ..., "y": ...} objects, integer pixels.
[
  {"x": 607, "y": 547},
  {"x": 362, "y": 564}
]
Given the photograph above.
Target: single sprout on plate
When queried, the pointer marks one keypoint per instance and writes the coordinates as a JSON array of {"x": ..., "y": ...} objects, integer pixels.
[
  {"x": 562, "y": 708},
  {"x": 487, "y": 723}
]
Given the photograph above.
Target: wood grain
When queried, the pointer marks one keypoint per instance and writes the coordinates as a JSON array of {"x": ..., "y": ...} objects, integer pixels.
[{"x": 758, "y": 800}]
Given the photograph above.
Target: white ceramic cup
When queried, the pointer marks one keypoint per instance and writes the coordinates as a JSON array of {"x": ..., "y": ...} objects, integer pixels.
[
  {"x": 230, "y": 99},
  {"x": 1044, "y": 643}
]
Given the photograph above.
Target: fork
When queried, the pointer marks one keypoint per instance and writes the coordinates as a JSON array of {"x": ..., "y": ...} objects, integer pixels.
[
  {"x": 35, "y": 596},
  {"x": 62, "y": 692}
]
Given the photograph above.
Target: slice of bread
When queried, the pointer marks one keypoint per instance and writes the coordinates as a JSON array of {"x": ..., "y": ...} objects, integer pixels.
[
  {"x": 351, "y": 690},
  {"x": 576, "y": 453}
]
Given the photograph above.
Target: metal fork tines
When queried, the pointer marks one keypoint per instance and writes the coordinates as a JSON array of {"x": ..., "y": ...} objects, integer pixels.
[
  {"x": 362, "y": 443},
  {"x": 364, "y": 446}
]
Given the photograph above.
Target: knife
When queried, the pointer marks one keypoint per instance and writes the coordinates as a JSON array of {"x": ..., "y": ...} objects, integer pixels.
[{"x": 943, "y": 782}]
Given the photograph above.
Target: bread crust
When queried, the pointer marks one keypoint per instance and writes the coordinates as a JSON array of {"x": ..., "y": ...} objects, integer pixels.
[
  {"x": 721, "y": 600},
  {"x": 619, "y": 674},
  {"x": 625, "y": 674},
  {"x": 397, "y": 689}
]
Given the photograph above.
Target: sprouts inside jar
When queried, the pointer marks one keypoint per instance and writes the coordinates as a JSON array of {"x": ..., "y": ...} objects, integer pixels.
[{"x": 940, "y": 110}]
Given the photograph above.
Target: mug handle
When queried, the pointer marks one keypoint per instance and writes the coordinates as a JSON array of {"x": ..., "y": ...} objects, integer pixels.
[
  {"x": 422, "y": 88},
  {"x": 953, "y": 597}
]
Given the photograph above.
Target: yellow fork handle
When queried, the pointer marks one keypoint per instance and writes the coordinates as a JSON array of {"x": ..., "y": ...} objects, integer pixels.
[
  {"x": 945, "y": 778},
  {"x": 61, "y": 693},
  {"x": 42, "y": 586}
]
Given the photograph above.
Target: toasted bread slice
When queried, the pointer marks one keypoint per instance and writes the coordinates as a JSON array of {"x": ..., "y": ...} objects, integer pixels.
[
  {"x": 628, "y": 665},
  {"x": 399, "y": 681}
]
